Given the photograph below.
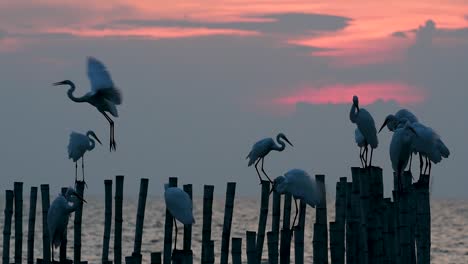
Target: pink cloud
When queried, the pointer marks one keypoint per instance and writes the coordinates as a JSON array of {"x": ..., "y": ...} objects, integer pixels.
[{"x": 343, "y": 94}]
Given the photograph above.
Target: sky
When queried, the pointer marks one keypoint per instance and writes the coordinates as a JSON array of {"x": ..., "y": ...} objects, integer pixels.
[{"x": 204, "y": 80}]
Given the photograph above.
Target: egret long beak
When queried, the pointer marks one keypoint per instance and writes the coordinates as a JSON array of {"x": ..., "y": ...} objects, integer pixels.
[
  {"x": 57, "y": 83},
  {"x": 383, "y": 125},
  {"x": 287, "y": 140},
  {"x": 414, "y": 131},
  {"x": 97, "y": 139},
  {"x": 79, "y": 197},
  {"x": 357, "y": 107}
]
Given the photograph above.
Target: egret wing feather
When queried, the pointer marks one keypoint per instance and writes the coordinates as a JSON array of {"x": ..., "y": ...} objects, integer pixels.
[
  {"x": 179, "y": 205},
  {"x": 77, "y": 145},
  {"x": 98, "y": 75},
  {"x": 57, "y": 220},
  {"x": 302, "y": 186}
]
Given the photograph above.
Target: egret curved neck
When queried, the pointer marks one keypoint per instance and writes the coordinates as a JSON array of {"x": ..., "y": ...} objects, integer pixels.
[
  {"x": 281, "y": 143},
  {"x": 71, "y": 96},
  {"x": 353, "y": 114}
]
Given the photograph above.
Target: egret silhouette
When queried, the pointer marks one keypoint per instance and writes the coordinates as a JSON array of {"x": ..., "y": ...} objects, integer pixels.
[
  {"x": 103, "y": 95},
  {"x": 77, "y": 147},
  {"x": 361, "y": 142},
  {"x": 401, "y": 148},
  {"x": 300, "y": 185},
  {"x": 179, "y": 204},
  {"x": 262, "y": 148},
  {"x": 366, "y": 125},
  {"x": 58, "y": 215}
]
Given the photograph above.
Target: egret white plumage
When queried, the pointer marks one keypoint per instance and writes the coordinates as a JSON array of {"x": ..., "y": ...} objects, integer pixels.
[
  {"x": 366, "y": 125},
  {"x": 401, "y": 148},
  {"x": 179, "y": 204},
  {"x": 77, "y": 147},
  {"x": 300, "y": 185},
  {"x": 58, "y": 215},
  {"x": 262, "y": 147},
  {"x": 104, "y": 95},
  {"x": 393, "y": 121}
]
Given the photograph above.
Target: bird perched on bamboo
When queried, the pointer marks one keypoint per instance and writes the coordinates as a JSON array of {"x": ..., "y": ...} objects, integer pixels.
[
  {"x": 366, "y": 125},
  {"x": 401, "y": 148},
  {"x": 300, "y": 185},
  {"x": 77, "y": 147},
  {"x": 104, "y": 95},
  {"x": 179, "y": 204},
  {"x": 262, "y": 148},
  {"x": 58, "y": 215}
]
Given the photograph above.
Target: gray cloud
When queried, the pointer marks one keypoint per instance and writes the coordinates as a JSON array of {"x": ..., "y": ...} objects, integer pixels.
[
  {"x": 399, "y": 34},
  {"x": 287, "y": 23}
]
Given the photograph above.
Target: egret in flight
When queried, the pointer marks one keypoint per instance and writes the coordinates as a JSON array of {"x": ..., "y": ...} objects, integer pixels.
[
  {"x": 77, "y": 147},
  {"x": 58, "y": 215},
  {"x": 366, "y": 125},
  {"x": 262, "y": 148},
  {"x": 300, "y": 185},
  {"x": 401, "y": 148},
  {"x": 179, "y": 204},
  {"x": 104, "y": 95}
]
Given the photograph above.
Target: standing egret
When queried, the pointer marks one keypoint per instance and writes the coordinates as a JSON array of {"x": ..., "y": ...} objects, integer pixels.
[
  {"x": 300, "y": 185},
  {"x": 401, "y": 148},
  {"x": 179, "y": 204},
  {"x": 103, "y": 95},
  {"x": 58, "y": 215},
  {"x": 429, "y": 145},
  {"x": 366, "y": 125},
  {"x": 78, "y": 145},
  {"x": 262, "y": 148}
]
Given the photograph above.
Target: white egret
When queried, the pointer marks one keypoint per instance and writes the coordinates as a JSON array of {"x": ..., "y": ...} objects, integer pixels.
[
  {"x": 366, "y": 125},
  {"x": 262, "y": 148},
  {"x": 77, "y": 147},
  {"x": 58, "y": 215},
  {"x": 401, "y": 148},
  {"x": 429, "y": 145},
  {"x": 300, "y": 185},
  {"x": 179, "y": 204},
  {"x": 361, "y": 142},
  {"x": 103, "y": 95}
]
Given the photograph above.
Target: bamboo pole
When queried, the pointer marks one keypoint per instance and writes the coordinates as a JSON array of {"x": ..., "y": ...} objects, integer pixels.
[
  {"x": 272, "y": 240},
  {"x": 64, "y": 242},
  {"x": 372, "y": 185},
  {"x": 118, "y": 220},
  {"x": 31, "y": 224},
  {"x": 251, "y": 248},
  {"x": 388, "y": 232},
  {"x": 77, "y": 224},
  {"x": 188, "y": 228},
  {"x": 285, "y": 242},
  {"x": 45, "y": 232},
  {"x": 334, "y": 242},
  {"x": 18, "y": 196},
  {"x": 340, "y": 217},
  {"x": 168, "y": 225},
  {"x": 207, "y": 215},
  {"x": 364, "y": 211},
  {"x": 155, "y": 258},
  {"x": 228, "y": 211},
  {"x": 107, "y": 220},
  {"x": 352, "y": 203},
  {"x": 265, "y": 199},
  {"x": 140, "y": 218},
  {"x": 424, "y": 219},
  {"x": 320, "y": 238},
  {"x": 236, "y": 250},
  {"x": 7, "y": 225},
  {"x": 299, "y": 235},
  {"x": 210, "y": 258}
]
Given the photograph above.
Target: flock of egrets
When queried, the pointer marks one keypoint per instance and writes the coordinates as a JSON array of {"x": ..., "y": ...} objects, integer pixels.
[{"x": 409, "y": 137}]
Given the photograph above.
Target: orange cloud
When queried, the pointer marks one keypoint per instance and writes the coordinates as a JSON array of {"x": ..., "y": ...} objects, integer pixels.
[{"x": 343, "y": 94}]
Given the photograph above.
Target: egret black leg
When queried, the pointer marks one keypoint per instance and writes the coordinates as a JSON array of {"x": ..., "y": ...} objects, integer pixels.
[
  {"x": 111, "y": 139},
  {"x": 295, "y": 216},
  {"x": 410, "y": 160},
  {"x": 366, "y": 149},
  {"x": 175, "y": 239},
  {"x": 371, "y": 152},
  {"x": 426, "y": 165},
  {"x": 76, "y": 171},
  {"x": 82, "y": 170},
  {"x": 430, "y": 166},
  {"x": 258, "y": 173},
  {"x": 420, "y": 165},
  {"x": 361, "y": 157},
  {"x": 265, "y": 172}
]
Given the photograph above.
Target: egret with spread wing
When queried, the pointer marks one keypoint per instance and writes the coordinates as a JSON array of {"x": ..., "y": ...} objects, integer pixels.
[
  {"x": 104, "y": 95},
  {"x": 262, "y": 148}
]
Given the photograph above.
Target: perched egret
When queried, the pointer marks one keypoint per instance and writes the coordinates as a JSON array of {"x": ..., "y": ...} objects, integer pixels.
[
  {"x": 179, "y": 204},
  {"x": 300, "y": 185},
  {"x": 401, "y": 148},
  {"x": 262, "y": 148},
  {"x": 366, "y": 125},
  {"x": 103, "y": 95},
  {"x": 78, "y": 145},
  {"x": 361, "y": 142},
  {"x": 392, "y": 121},
  {"x": 429, "y": 145},
  {"x": 58, "y": 214}
]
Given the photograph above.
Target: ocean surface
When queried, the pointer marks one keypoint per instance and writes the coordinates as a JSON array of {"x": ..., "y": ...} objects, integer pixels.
[{"x": 449, "y": 228}]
